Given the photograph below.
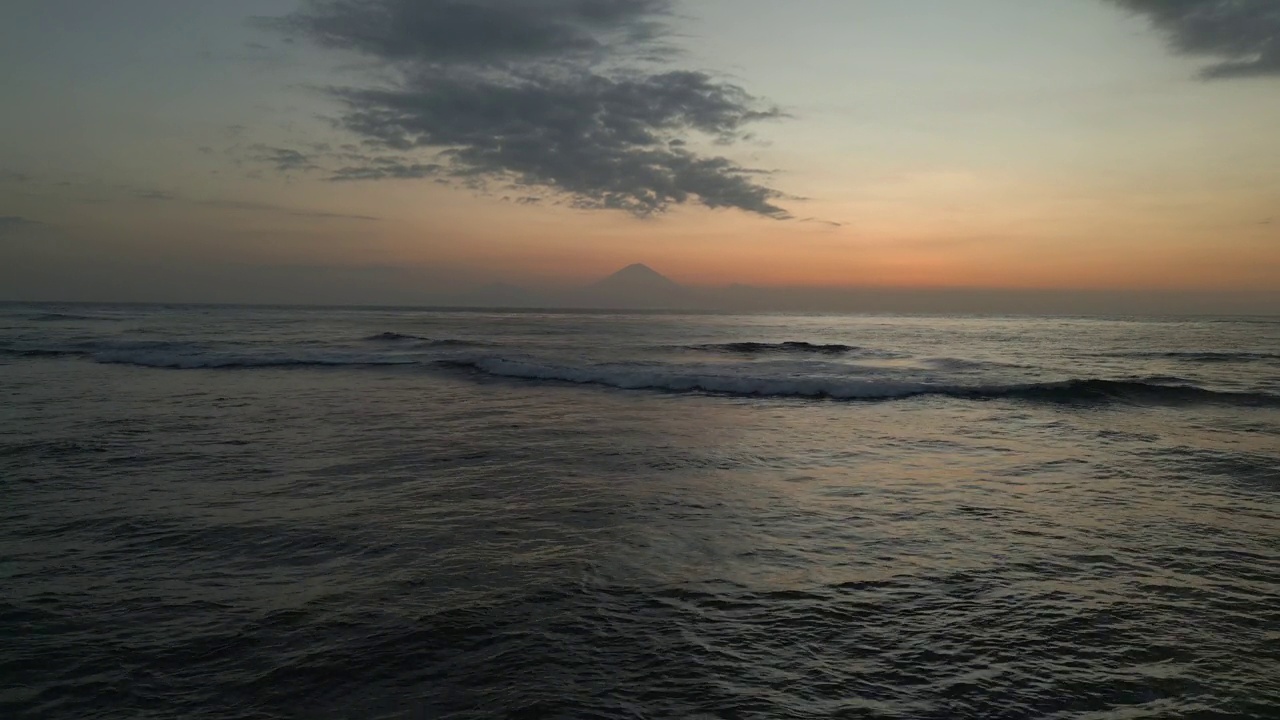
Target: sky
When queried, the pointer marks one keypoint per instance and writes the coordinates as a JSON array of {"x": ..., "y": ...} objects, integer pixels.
[{"x": 388, "y": 151}]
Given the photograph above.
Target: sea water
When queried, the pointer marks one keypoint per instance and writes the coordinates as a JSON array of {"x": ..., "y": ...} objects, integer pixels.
[{"x": 224, "y": 512}]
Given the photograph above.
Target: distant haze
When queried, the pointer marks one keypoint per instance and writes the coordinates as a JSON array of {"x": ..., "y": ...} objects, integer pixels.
[{"x": 640, "y": 287}]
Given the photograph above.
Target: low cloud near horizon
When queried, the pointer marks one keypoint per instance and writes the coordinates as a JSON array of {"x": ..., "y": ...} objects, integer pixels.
[{"x": 571, "y": 100}]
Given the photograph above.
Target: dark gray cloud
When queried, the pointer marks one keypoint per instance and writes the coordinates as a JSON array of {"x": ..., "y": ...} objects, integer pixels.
[
  {"x": 1243, "y": 35},
  {"x": 478, "y": 32},
  {"x": 387, "y": 169},
  {"x": 554, "y": 96},
  {"x": 283, "y": 159}
]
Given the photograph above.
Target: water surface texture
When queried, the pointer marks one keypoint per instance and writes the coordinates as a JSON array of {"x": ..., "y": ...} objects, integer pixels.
[{"x": 286, "y": 513}]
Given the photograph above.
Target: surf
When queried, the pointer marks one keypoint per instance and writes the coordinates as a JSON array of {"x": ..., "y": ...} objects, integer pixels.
[{"x": 832, "y": 387}]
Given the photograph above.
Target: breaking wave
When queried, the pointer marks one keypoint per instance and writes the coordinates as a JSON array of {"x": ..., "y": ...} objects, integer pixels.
[{"x": 1083, "y": 390}]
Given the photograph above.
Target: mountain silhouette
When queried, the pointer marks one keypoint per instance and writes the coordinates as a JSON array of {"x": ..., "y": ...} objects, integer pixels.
[
  {"x": 637, "y": 278},
  {"x": 637, "y": 287}
]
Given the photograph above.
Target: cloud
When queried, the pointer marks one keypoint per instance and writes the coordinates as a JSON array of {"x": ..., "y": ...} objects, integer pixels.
[
  {"x": 490, "y": 33},
  {"x": 15, "y": 222},
  {"x": 1244, "y": 35},
  {"x": 820, "y": 221},
  {"x": 549, "y": 95},
  {"x": 161, "y": 195},
  {"x": 284, "y": 159},
  {"x": 266, "y": 207},
  {"x": 16, "y": 226},
  {"x": 387, "y": 168}
]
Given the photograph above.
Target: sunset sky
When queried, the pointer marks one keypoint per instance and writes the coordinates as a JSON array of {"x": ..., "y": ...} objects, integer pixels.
[{"x": 277, "y": 150}]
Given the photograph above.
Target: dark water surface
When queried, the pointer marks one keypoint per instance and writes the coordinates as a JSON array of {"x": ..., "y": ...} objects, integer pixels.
[{"x": 285, "y": 513}]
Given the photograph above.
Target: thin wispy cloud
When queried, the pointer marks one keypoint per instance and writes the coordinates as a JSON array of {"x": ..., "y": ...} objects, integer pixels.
[
  {"x": 820, "y": 221},
  {"x": 556, "y": 96},
  {"x": 1242, "y": 35},
  {"x": 17, "y": 225},
  {"x": 284, "y": 160},
  {"x": 16, "y": 221},
  {"x": 294, "y": 212}
]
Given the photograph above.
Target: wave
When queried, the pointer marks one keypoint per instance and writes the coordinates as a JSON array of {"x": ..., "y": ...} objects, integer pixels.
[
  {"x": 63, "y": 317},
  {"x": 187, "y": 356},
  {"x": 182, "y": 361},
  {"x": 747, "y": 381},
  {"x": 1087, "y": 390},
  {"x": 41, "y": 352},
  {"x": 1135, "y": 391},
  {"x": 1253, "y": 320},
  {"x": 85, "y": 348},
  {"x": 792, "y": 347},
  {"x": 962, "y": 364},
  {"x": 1223, "y": 356},
  {"x": 395, "y": 337},
  {"x": 1205, "y": 356}
]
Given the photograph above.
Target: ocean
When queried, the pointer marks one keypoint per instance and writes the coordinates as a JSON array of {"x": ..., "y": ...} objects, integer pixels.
[{"x": 258, "y": 513}]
